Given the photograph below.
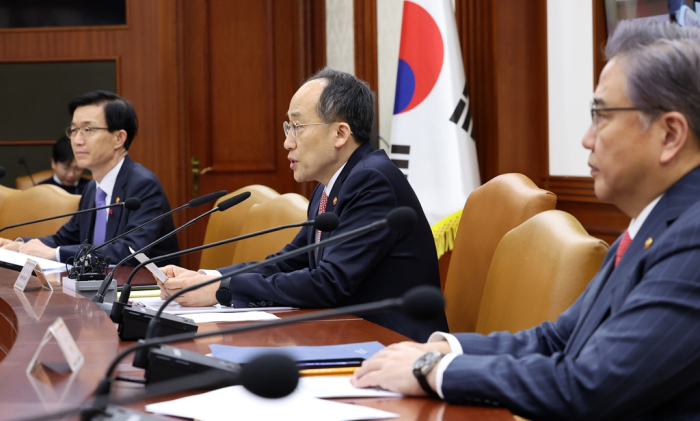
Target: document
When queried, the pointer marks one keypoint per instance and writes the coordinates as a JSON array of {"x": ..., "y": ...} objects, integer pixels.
[
  {"x": 154, "y": 303},
  {"x": 245, "y": 316},
  {"x": 19, "y": 259},
  {"x": 235, "y": 402},
  {"x": 338, "y": 387},
  {"x": 243, "y": 354}
]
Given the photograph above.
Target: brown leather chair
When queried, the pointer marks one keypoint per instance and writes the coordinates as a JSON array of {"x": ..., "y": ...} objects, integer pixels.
[
  {"x": 489, "y": 213},
  {"x": 286, "y": 209},
  {"x": 35, "y": 203},
  {"x": 5, "y": 192},
  {"x": 539, "y": 269},
  {"x": 223, "y": 225},
  {"x": 24, "y": 182}
]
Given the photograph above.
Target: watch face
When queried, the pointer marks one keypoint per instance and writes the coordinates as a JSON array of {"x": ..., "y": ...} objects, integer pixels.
[{"x": 426, "y": 359}]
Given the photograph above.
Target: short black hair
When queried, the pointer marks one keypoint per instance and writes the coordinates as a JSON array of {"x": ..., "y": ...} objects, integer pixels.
[
  {"x": 63, "y": 151},
  {"x": 348, "y": 99},
  {"x": 119, "y": 113}
]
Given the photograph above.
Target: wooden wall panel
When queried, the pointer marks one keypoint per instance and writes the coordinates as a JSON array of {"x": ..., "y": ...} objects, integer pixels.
[{"x": 366, "y": 58}]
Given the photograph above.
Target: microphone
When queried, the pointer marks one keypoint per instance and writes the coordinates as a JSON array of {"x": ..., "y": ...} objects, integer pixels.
[
  {"x": 2, "y": 172},
  {"x": 131, "y": 203},
  {"x": 225, "y": 205},
  {"x": 326, "y": 221},
  {"x": 167, "y": 363},
  {"x": 23, "y": 162},
  {"x": 399, "y": 219}
]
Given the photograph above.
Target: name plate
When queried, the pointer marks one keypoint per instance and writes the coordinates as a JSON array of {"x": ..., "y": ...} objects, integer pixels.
[
  {"x": 26, "y": 272},
  {"x": 59, "y": 331}
]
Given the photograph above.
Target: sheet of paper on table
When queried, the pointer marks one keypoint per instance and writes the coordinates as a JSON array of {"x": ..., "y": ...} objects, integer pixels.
[
  {"x": 20, "y": 259},
  {"x": 235, "y": 402},
  {"x": 246, "y": 316},
  {"x": 338, "y": 387},
  {"x": 154, "y": 303}
]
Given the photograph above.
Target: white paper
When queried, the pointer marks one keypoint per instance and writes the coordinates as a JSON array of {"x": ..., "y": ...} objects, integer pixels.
[
  {"x": 245, "y": 316},
  {"x": 154, "y": 303},
  {"x": 237, "y": 403},
  {"x": 19, "y": 259},
  {"x": 338, "y": 387},
  {"x": 151, "y": 267}
]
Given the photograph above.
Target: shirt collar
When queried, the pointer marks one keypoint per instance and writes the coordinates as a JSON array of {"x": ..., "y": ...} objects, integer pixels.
[
  {"x": 56, "y": 179},
  {"x": 329, "y": 187},
  {"x": 107, "y": 184},
  {"x": 637, "y": 222}
]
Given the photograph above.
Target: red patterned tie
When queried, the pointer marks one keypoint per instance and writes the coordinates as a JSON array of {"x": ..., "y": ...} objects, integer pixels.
[
  {"x": 321, "y": 209},
  {"x": 622, "y": 248}
]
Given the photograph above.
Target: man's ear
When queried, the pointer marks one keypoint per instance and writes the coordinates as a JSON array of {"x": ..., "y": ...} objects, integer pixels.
[
  {"x": 675, "y": 127},
  {"x": 121, "y": 139},
  {"x": 343, "y": 134},
  {"x": 53, "y": 165}
]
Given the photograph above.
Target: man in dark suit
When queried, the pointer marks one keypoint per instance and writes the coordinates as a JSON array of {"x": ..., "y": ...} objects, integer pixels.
[
  {"x": 67, "y": 174},
  {"x": 629, "y": 347},
  {"x": 102, "y": 129},
  {"x": 330, "y": 120}
]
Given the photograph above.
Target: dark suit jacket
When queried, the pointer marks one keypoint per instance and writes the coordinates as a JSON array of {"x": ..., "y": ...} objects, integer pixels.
[
  {"x": 133, "y": 180},
  {"x": 628, "y": 348},
  {"x": 374, "y": 266},
  {"x": 78, "y": 189}
]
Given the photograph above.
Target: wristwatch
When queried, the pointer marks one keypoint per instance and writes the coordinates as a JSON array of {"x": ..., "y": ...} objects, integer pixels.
[
  {"x": 223, "y": 294},
  {"x": 423, "y": 366}
]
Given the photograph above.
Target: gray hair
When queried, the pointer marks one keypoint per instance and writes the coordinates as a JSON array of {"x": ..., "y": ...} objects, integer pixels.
[
  {"x": 346, "y": 98},
  {"x": 662, "y": 65}
]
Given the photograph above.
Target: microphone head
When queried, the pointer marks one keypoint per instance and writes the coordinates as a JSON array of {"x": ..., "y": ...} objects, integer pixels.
[
  {"x": 270, "y": 376},
  {"x": 206, "y": 198},
  {"x": 327, "y": 221},
  {"x": 401, "y": 219},
  {"x": 423, "y": 302},
  {"x": 132, "y": 203},
  {"x": 21, "y": 161},
  {"x": 108, "y": 260},
  {"x": 2, "y": 172},
  {"x": 229, "y": 203}
]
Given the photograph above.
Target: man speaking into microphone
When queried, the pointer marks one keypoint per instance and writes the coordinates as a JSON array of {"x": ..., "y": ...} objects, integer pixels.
[
  {"x": 327, "y": 137},
  {"x": 102, "y": 128}
]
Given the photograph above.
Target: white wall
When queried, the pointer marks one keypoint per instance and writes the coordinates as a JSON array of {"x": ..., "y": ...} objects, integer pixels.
[
  {"x": 389, "y": 14},
  {"x": 570, "y": 74},
  {"x": 340, "y": 35}
]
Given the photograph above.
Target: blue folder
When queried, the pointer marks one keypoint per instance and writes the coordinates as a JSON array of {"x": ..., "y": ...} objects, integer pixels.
[{"x": 244, "y": 354}]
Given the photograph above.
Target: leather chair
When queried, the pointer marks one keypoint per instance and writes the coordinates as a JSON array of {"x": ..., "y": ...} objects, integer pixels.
[
  {"x": 24, "y": 182},
  {"x": 538, "y": 270},
  {"x": 223, "y": 225},
  {"x": 35, "y": 203},
  {"x": 286, "y": 209},
  {"x": 5, "y": 192},
  {"x": 489, "y": 213}
]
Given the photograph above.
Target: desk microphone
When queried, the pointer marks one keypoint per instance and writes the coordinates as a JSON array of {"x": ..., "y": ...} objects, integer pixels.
[
  {"x": 167, "y": 363},
  {"x": 325, "y": 222},
  {"x": 399, "y": 219},
  {"x": 131, "y": 203},
  {"x": 175, "y": 324},
  {"x": 23, "y": 162},
  {"x": 2, "y": 172}
]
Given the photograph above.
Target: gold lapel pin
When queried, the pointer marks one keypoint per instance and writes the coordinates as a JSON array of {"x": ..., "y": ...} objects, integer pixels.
[
  {"x": 647, "y": 243},
  {"x": 118, "y": 199},
  {"x": 335, "y": 200}
]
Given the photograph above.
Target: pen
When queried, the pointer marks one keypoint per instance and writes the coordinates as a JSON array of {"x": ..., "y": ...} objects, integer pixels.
[{"x": 327, "y": 371}]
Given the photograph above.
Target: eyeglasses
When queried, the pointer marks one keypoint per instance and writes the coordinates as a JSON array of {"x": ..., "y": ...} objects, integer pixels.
[
  {"x": 294, "y": 127},
  {"x": 595, "y": 118},
  {"x": 86, "y": 132}
]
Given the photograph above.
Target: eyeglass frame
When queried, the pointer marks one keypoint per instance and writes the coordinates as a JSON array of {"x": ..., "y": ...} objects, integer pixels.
[
  {"x": 605, "y": 109},
  {"x": 71, "y": 134},
  {"x": 294, "y": 127}
]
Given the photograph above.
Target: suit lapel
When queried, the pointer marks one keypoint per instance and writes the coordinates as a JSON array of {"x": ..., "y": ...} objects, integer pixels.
[
  {"x": 88, "y": 219},
  {"x": 118, "y": 193}
]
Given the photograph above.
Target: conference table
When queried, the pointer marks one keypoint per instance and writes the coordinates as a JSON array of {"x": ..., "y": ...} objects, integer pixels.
[{"x": 51, "y": 386}]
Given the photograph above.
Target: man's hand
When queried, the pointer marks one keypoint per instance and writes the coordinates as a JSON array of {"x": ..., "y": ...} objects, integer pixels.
[
  {"x": 392, "y": 368},
  {"x": 4, "y": 242},
  {"x": 179, "y": 278},
  {"x": 10, "y": 245},
  {"x": 37, "y": 248}
]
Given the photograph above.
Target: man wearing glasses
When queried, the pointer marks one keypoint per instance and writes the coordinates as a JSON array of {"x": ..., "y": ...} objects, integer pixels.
[
  {"x": 102, "y": 128},
  {"x": 629, "y": 347},
  {"x": 327, "y": 136}
]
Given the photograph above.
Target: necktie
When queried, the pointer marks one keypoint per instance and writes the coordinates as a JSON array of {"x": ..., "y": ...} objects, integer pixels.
[
  {"x": 321, "y": 209},
  {"x": 98, "y": 236},
  {"x": 622, "y": 248}
]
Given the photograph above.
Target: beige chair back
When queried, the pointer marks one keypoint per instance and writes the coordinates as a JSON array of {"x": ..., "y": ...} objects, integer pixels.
[
  {"x": 489, "y": 213},
  {"x": 539, "y": 269},
  {"x": 228, "y": 224},
  {"x": 24, "y": 182},
  {"x": 286, "y": 209},
  {"x": 5, "y": 192},
  {"x": 36, "y": 203}
]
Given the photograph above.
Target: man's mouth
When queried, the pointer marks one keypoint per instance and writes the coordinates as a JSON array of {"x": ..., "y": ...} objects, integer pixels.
[{"x": 292, "y": 163}]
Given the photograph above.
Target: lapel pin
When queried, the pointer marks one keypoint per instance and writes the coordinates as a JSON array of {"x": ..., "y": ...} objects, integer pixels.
[
  {"x": 335, "y": 200},
  {"x": 111, "y": 211},
  {"x": 647, "y": 243},
  {"x": 118, "y": 199}
]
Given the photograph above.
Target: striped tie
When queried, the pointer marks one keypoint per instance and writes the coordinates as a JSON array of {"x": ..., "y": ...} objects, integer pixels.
[
  {"x": 622, "y": 248},
  {"x": 321, "y": 209}
]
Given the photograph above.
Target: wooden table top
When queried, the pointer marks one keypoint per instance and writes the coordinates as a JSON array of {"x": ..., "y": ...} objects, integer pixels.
[{"x": 27, "y": 317}]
